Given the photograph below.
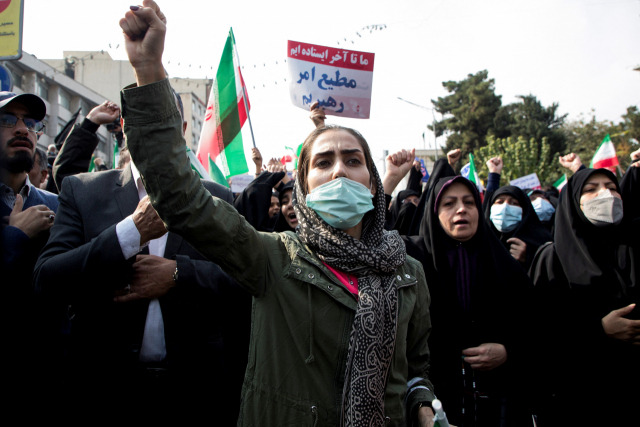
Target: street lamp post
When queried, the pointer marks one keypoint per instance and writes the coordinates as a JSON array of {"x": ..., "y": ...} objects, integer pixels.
[{"x": 435, "y": 137}]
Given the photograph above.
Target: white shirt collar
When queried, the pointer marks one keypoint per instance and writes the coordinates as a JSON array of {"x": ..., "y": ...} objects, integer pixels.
[{"x": 135, "y": 173}]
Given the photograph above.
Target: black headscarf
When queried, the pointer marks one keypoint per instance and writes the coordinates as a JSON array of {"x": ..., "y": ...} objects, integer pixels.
[
  {"x": 400, "y": 215},
  {"x": 592, "y": 255},
  {"x": 281, "y": 223},
  {"x": 530, "y": 230},
  {"x": 254, "y": 201}
]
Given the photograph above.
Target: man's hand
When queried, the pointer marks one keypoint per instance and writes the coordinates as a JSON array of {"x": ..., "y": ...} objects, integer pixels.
[
  {"x": 517, "y": 249},
  {"x": 317, "y": 115},
  {"x": 618, "y": 327},
  {"x": 32, "y": 220},
  {"x": 144, "y": 31},
  {"x": 495, "y": 165},
  {"x": 453, "y": 156},
  {"x": 486, "y": 356},
  {"x": 147, "y": 221},
  {"x": 152, "y": 278},
  {"x": 571, "y": 161},
  {"x": 397, "y": 166},
  {"x": 105, "y": 113}
]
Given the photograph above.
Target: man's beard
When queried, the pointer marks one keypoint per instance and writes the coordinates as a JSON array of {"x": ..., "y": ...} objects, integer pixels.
[{"x": 20, "y": 162}]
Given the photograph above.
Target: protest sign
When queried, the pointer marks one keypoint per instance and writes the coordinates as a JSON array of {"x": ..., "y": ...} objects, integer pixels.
[
  {"x": 423, "y": 169},
  {"x": 11, "y": 19},
  {"x": 339, "y": 79},
  {"x": 240, "y": 182},
  {"x": 530, "y": 182}
]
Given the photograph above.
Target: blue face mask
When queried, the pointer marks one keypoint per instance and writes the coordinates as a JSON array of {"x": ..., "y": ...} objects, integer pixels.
[
  {"x": 505, "y": 217},
  {"x": 341, "y": 202},
  {"x": 543, "y": 209}
]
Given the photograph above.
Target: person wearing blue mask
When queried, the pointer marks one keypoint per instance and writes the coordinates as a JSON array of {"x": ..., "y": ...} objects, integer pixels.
[
  {"x": 543, "y": 207},
  {"x": 512, "y": 218},
  {"x": 340, "y": 320}
]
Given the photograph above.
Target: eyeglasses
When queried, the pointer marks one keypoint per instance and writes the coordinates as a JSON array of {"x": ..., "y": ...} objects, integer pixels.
[{"x": 8, "y": 120}]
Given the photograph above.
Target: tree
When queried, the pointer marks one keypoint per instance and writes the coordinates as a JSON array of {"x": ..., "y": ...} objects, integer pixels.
[
  {"x": 468, "y": 112},
  {"x": 629, "y": 139},
  {"x": 529, "y": 119},
  {"x": 584, "y": 136},
  {"x": 631, "y": 123},
  {"x": 520, "y": 157}
]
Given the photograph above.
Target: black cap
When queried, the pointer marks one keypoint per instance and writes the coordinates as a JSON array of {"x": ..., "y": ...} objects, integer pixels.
[{"x": 36, "y": 106}]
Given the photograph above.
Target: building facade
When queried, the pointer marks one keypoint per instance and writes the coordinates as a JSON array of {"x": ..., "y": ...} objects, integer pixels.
[{"x": 83, "y": 80}]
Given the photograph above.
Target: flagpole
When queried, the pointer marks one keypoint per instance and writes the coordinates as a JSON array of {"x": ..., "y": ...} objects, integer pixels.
[{"x": 244, "y": 93}]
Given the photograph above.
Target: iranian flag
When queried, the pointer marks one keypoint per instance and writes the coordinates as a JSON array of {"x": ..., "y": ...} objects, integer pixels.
[
  {"x": 469, "y": 172},
  {"x": 560, "y": 183},
  {"x": 605, "y": 156},
  {"x": 221, "y": 136}
]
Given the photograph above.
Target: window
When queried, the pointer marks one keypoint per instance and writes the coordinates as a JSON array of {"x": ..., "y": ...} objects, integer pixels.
[
  {"x": 42, "y": 90},
  {"x": 85, "y": 107},
  {"x": 64, "y": 99},
  {"x": 16, "y": 78}
]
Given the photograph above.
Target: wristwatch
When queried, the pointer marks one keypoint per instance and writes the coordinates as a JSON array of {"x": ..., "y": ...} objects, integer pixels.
[{"x": 175, "y": 275}]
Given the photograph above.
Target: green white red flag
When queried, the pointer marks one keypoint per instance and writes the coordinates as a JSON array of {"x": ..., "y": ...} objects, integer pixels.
[
  {"x": 605, "y": 156},
  {"x": 227, "y": 107},
  {"x": 561, "y": 182},
  {"x": 469, "y": 171}
]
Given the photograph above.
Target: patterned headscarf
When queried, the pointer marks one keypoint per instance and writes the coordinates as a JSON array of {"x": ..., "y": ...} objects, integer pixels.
[{"x": 373, "y": 259}]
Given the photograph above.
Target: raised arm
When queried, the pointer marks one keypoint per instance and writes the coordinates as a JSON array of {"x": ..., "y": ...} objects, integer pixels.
[{"x": 153, "y": 129}]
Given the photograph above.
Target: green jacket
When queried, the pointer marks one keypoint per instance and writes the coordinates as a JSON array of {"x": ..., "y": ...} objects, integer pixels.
[{"x": 302, "y": 315}]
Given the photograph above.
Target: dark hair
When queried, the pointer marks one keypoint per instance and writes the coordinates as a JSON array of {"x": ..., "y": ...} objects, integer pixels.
[
  {"x": 305, "y": 153},
  {"x": 124, "y": 157},
  {"x": 41, "y": 158}
]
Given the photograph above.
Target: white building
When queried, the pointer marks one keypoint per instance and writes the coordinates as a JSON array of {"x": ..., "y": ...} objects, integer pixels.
[{"x": 82, "y": 80}]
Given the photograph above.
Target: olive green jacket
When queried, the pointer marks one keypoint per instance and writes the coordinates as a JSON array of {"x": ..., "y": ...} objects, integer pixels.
[{"x": 302, "y": 315}]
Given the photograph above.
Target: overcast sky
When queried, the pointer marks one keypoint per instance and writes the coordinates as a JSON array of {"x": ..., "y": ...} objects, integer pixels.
[{"x": 580, "y": 54}]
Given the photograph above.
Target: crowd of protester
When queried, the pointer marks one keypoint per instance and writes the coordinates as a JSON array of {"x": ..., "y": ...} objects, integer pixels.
[{"x": 322, "y": 296}]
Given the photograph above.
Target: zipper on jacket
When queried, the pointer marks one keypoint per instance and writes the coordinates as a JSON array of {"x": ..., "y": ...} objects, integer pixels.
[{"x": 314, "y": 412}]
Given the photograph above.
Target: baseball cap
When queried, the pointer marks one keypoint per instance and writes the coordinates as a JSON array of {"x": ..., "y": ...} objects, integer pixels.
[{"x": 35, "y": 105}]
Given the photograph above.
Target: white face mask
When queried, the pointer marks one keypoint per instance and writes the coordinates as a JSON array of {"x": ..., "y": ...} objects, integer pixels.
[{"x": 604, "y": 209}]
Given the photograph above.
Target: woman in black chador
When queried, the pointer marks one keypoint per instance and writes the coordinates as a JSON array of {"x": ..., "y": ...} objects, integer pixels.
[
  {"x": 478, "y": 310},
  {"x": 586, "y": 287}
]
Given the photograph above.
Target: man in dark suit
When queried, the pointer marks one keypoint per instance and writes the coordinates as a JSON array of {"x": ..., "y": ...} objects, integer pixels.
[
  {"x": 28, "y": 324},
  {"x": 149, "y": 313}
]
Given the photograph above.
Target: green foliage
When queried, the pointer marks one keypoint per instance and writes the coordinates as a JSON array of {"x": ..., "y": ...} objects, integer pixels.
[
  {"x": 527, "y": 135},
  {"x": 520, "y": 157},
  {"x": 469, "y": 112},
  {"x": 529, "y": 119},
  {"x": 584, "y": 136}
]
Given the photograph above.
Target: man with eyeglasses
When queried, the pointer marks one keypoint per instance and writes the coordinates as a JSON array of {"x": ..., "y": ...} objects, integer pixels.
[{"x": 27, "y": 213}]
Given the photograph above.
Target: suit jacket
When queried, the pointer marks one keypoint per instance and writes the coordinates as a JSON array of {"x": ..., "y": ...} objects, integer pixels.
[
  {"x": 83, "y": 263},
  {"x": 18, "y": 250},
  {"x": 29, "y": 325}
]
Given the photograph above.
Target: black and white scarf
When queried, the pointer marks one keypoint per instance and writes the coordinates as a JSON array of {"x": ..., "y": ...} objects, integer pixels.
[{"x": 373, "y": 260}]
